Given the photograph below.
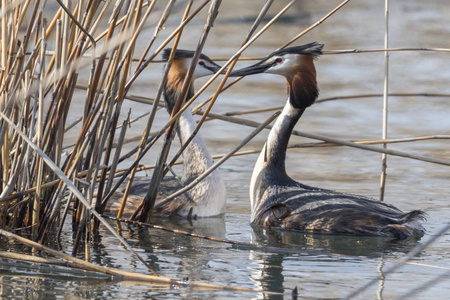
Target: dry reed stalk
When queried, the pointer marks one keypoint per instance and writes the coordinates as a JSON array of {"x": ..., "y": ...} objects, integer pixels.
[
  {"x": 150, "y": 101},
  {"x": 96, "y": 23},
  {"x": 4, "y": 151},
  {"x": 385, "y": 101},
  {"x": 23, "y": 193},
  {"x": 376, "y": 141},
  {"x": 120, "y": 172},
  {"x": 199, "y": 106},
  {"x": 119, "y": 274},
  {"x": 79, "y": 26},
  {"x": 187, "y": 233},
  {"x": 40, "y": 164},
  {"x": 348, "y": 51},
  {"x": 159, "y": 27},
  {"x": 4, "y": 54},
  {"x": 131, "y": 97},
  {"x": 278, "y": 107},
  {"x": 107, "y": 153},
  {"x": 97, "y": 79},
  {"x": 337, "y": 141},
  {"x": 138, "y": 24},
  {"x": 344, "y": 51},
  {"x": 48, "y": 261},
  {"x": 115, "y": 161}
]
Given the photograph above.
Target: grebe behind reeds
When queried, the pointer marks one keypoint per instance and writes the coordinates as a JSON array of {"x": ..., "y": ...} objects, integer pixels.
[
  {"x": 208, "y": 197},
  {"x": 279, "y": 201}
]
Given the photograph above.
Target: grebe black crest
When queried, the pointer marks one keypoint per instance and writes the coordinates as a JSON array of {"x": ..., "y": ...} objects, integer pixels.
[
  {"x": 208, "y": 197},
  {"x": 279, "y": 201}
]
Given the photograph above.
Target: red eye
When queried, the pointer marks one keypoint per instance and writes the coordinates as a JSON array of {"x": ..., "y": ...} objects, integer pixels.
[
  {"x": 278, "y": 60},
  {"x": 201, "y": 63}
]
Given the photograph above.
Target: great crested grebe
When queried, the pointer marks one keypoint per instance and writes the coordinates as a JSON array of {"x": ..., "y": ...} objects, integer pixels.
[
  {"x": 279, "y": 201},
  {"x": 207, "y": 198}
]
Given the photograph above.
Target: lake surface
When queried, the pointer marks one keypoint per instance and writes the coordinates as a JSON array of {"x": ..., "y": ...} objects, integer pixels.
[{"x": 322, "y": 267}]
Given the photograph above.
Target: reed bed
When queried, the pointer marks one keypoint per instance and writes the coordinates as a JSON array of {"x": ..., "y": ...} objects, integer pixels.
[{"x": 44, "y": 53}]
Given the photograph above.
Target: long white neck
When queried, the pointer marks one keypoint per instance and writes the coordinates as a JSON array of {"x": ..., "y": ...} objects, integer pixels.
[
  {"x": 270, "y": 167},
  {"x": 196, "y": 155},
  {"x": 209, "y": 194}
]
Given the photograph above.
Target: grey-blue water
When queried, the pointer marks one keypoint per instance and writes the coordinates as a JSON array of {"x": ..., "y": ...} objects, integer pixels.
[{"x": 322, "y": 267}]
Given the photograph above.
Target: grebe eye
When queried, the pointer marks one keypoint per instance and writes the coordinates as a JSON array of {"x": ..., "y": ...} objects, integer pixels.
[
  {"x": 278, "y": 60},
  {"x": 201, "y": 63}
]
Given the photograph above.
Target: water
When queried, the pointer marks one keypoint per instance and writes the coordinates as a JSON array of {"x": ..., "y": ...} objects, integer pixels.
[{"x": 320, "y": 266}]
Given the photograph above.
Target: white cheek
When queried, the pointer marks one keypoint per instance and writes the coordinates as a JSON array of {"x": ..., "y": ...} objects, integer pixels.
[
  {"x": 285, "y": 66},
  {"x": 280, "y": 68},
  {"x": 201, "y": 71}
]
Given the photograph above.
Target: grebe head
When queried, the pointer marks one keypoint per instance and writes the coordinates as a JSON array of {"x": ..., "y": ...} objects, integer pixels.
[
  {"x": 183, "y": 58},
  {"x": 284, "y": 62},
  {"x": 297, "y": 65},
  {"x": 178, "y": 70}
]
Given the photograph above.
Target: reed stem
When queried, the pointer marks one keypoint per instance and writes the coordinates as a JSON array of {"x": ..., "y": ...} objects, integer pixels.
[{"x": 385, "y": 101}]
